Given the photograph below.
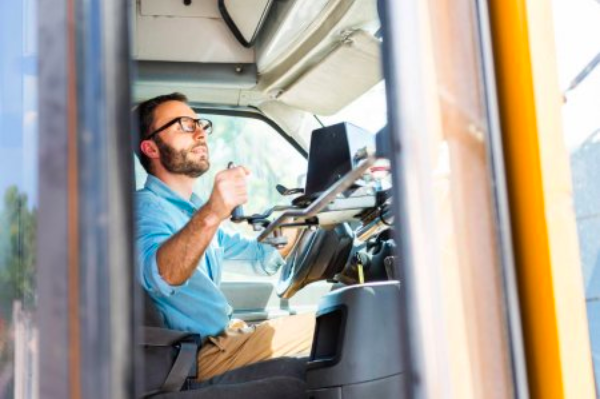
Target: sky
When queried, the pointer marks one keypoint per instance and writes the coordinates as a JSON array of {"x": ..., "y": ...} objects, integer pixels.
[{"x": 18, "y": 98}]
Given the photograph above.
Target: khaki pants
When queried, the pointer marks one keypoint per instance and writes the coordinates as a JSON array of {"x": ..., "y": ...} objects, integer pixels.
[{"x": 241, "y": 344}]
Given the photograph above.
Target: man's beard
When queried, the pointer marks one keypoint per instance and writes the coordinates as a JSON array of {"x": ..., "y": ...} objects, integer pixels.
[{"x": 179, "y": 162}]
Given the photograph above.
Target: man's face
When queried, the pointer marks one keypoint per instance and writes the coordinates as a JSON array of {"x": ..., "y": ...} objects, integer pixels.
[{"x": 180, "y": 152}]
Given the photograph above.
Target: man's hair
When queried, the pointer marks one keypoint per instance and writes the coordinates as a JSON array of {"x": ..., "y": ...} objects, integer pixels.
[{"x": 144, "y": 115}]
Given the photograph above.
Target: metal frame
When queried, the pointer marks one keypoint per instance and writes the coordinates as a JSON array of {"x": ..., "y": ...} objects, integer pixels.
[
  {"x": 410, "y": 77},
  {"x": 405, "y": 74},
  {"x": 499, "y": 189},
  {"x": 126, "y": 303},
  {"x": 324, "y": 199},
  {"x": 85, "y": 252},
  {"x": 250, "y": 112},
  {"x": 236, "y": 76},
  {"x": 52, "y": 230}
]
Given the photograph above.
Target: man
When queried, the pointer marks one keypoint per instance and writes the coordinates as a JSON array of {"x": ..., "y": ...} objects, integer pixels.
[{"x": 181, "y": 246}]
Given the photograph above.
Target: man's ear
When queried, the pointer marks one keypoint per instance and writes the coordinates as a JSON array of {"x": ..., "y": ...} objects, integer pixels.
[{"x": 150, "y": 149}]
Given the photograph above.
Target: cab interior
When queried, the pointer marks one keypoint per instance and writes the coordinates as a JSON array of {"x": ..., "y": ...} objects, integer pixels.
[
  {"x": 295, "y": 91},
  {"x": 490, "y": 109}
]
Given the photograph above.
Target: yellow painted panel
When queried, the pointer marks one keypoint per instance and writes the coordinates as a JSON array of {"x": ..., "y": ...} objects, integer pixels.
[{"x": 544, "y": 233}]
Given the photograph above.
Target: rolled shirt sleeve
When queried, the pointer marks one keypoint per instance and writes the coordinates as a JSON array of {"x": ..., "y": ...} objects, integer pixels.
[{"x": 152, "y": 232}]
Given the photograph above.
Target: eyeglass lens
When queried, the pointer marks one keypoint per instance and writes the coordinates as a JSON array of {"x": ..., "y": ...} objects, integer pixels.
[{"x": 189, "y": 125}]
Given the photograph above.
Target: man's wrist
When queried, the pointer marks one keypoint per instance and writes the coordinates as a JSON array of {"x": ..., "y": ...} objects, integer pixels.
[{"x": 211, "y": 217}]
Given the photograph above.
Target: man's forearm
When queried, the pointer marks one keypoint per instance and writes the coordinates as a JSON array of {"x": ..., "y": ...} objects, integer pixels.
[{"x": 178, "y": 257}]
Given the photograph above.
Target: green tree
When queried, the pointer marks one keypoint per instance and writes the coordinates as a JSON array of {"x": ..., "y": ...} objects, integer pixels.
[{"x": 17, "y": 250}]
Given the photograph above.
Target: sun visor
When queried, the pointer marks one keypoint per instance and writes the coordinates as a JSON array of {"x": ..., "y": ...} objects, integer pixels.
[{"x": 348, "y": 71}]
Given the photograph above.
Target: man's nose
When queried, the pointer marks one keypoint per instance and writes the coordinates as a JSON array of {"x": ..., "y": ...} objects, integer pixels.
[{"x": 199, "y": 133}]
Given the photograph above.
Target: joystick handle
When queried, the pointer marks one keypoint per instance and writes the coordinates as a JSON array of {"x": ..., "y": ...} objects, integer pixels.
[{"x": 237, "y": 215}]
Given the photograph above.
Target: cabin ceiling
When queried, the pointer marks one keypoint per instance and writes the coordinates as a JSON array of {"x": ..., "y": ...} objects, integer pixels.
[{"x": 302, "y": 46}]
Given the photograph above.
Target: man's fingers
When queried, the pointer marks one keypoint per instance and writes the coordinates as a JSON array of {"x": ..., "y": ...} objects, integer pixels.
[
  {"x": 240, "y": 171},
  {"x": 230, "y": 187}
]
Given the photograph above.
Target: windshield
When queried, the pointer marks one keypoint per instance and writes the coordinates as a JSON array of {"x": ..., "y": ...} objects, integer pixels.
[{"x": 368, "y": 111}]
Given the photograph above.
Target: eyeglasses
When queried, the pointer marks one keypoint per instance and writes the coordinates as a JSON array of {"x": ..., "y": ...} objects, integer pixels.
[{"x": 187, "y": 124}]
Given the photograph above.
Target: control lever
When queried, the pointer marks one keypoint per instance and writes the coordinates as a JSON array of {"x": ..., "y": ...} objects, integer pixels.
[
  {"x": 258, "y": 222},
  {"x": 277, "y": 239},
  {"x": 288, "y": 191},
  {"x": 237, "y": 215}
]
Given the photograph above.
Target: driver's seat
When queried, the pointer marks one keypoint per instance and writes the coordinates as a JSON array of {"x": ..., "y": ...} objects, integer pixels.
[{"x": 276, "y": 378}]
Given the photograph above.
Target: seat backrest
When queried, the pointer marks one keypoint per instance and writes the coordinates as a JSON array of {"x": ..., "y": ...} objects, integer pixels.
[
  {"x": 169, "y": 355},
  {"x": 169, "y": 359},
  {"x": 152, "y": 316}
]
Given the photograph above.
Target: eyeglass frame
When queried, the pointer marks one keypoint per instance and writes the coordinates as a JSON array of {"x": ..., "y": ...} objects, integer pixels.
[{"x": 207, "y": 130}]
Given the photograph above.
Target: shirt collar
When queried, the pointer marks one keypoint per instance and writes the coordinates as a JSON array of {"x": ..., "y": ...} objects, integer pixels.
[{"x": 158, "y": 187}]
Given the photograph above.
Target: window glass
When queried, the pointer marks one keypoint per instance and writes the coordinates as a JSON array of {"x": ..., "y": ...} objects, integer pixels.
[
  {"x": 271, "y": 159},
  {"x": 577, "y": 26},
  {"x": 18, "y": 199},
  {"x": 257, "y": 146},
  {"x": 368, "y": 111}
]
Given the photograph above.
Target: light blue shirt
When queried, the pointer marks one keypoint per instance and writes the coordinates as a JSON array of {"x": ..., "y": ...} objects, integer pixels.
[{"x": 198, "y": 305}]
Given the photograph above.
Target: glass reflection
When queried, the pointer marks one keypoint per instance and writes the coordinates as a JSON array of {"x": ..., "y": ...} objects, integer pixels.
[{"x": 18, "y": 199}]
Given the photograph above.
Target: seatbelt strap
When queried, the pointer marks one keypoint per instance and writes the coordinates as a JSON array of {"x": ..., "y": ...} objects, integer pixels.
[
  {"x": 156, "y": 336},
  {"x": 184, "y": 365}
]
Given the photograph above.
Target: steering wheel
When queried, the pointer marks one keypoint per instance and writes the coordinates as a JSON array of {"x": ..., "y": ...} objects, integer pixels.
[{"x": 318, "y": 255}]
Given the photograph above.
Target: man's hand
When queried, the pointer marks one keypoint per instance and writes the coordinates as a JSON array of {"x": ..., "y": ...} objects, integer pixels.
[{"x": 229, "y": 191}]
